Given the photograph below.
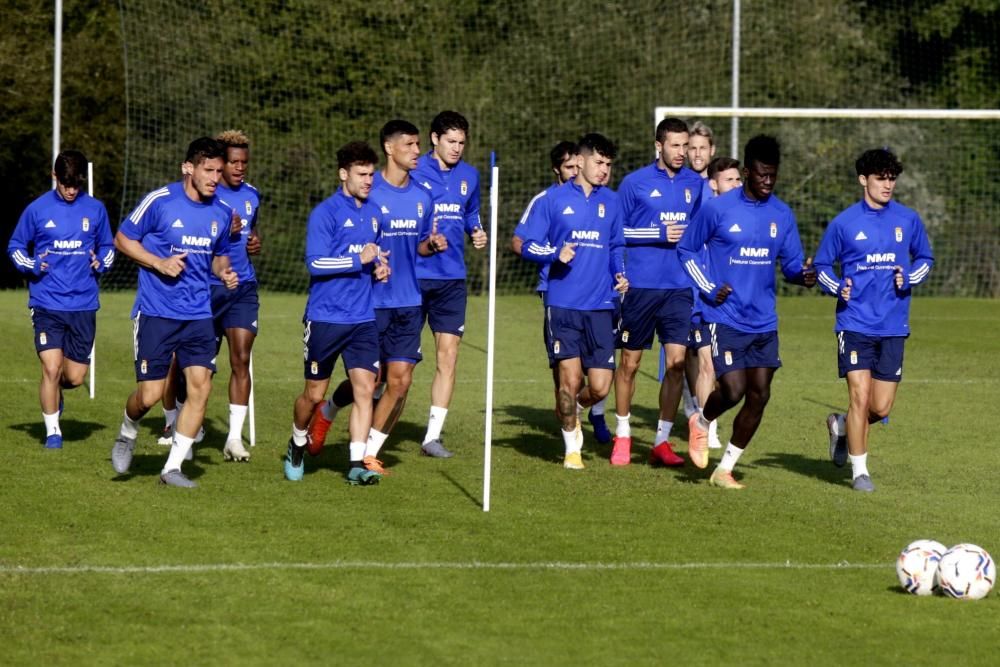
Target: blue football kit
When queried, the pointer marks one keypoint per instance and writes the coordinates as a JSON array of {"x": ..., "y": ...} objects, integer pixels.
[
  {"x": 455, "y": 193},
  {"x": 543, "y": 273},
  {"x": 244, "y": 201}
]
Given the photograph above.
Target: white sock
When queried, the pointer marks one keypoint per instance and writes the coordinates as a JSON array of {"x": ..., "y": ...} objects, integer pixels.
[
  {"x": 571, "y": 442},
  {"x": 169, "y": 417},
  {"x": 299, "y": 437},
  {"x": 622, "y": 429},
  {"x": 375, "y": 441},
  {"x": 859, "y": 464},
  {"x": 130, "y": 429},
  {"x": 663, "y": 431},
  {"x": 237, "y": 413},
  {"x": 730, "y": 457},
  {"x": 357, "y": 451},
  {"x": 178, "y": 449},
  {"x": 435, "y": 422},
  {"x": 51, "y": 424},
  {"x": 598, "y": 408}
]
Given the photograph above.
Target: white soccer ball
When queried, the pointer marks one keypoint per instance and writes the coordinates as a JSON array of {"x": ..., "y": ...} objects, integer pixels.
[
  {"x": 917, "y": 566},
  {"x": 966, "y": 572}
]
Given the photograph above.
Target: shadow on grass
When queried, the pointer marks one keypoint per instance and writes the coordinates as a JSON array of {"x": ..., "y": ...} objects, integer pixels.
[
  {"x": 821, "y": 469},
  {"x": 72, "y": 429},
  {"x": 151, "y": 465},
  {"x": 458, "y": 485}
]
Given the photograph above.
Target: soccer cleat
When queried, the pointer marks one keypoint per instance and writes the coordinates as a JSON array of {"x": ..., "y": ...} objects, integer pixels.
[
  {"x": 121, "y": 454},
  {"x": 838, "y": 439},
  {"x": 621, "y": 452},
  {"x": 863, "y": 483},
  {"x": 601, "y": 432},
  {"x": 167, "y": 438},
  {"x": 724, "y": 480},
  {"x": 663, "y": 454},
  {"x": 235, "y": 451},
  {"x": 359, "y": 476},
  {"x": 436, "y": 449},
  {"x": 54, "y": 441},
  {"x": 573, "y": 461},
  {"x": 374, "y": 465},
  {"x": 317, "y": 431},
  {"x": 697, "y": 442},
  {"x": 176, "y": 478},
  {"x": 713, "y": 435},
  {"x": 295, "y": 467}
]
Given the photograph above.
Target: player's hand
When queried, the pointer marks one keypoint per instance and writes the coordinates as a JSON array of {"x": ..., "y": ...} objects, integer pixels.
[
  {"x": 382, "y": 272},
  {"x": 478, "y": 238},
  {"x": 437, "y": 241},
  {"x": 253, "y": 245},
  {"x": 235, "y": 224},
  {"x": 229, "y": 278},
  {"x": 621, "y": 283},
  {"x": 369, "y": 253},
  {"x": 845, "y": 290},
  {"x": 675, "y": 232},
  {"x": 171, "y": 266},
  {"x": 808, "y": 273},
  {"x": 722, "y": 294},
  {"x": 95, "y": 263},
  {"x": 567, "y": 253},
  {"x": 898, "y": 276}
]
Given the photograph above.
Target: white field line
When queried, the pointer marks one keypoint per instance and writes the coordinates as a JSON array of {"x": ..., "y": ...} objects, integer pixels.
[
  {"x": 548, "y": 380},
  {"x": 640, "y": 566}
]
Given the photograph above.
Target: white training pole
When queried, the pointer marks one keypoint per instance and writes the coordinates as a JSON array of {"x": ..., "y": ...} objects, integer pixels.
[
  {"x": 253, "y": 423},
  {"x": 57, "y": 84},
  {"x": 491, "y": 326},
  {"x": 93, "y": 347},
  {"x": 734, "y": 123}
]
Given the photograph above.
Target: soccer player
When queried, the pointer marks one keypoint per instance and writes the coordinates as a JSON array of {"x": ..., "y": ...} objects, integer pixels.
[
  {"x": 743, "y": 233},
  {"x": 62, "y": 243},
  {"x": 658, "y": 202},
  {"x": 406, "y": 210},
  {"x": 454, "y": 187},
  {"x": 701, "y": 150},
  {"x": 883, "y": 251},
  {"x": 179, "y": 236},
  {"x": 577, "y": 229},
  {"x": 343, "y": 261}
]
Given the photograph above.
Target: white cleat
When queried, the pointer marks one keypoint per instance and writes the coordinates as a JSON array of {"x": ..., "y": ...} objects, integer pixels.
[{"x": 235, "y": 451}]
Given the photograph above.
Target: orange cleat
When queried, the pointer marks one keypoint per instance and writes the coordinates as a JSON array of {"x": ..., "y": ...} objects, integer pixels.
[
  {"x": 697, "y": 442},
  {"x": 317, "y": 431},
  {"x": 374, "y": 465}
]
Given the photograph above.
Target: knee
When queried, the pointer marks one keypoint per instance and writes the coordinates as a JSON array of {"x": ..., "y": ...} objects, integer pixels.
[
  {"x": 629, "y": 365},
  {"x": 399, "y": 385},
  {"x": 732, "y": 393},
  {"x": 759, "y": 397},
  {"x": 239, "y": 362},
  {"x": 877, "y": 413}
]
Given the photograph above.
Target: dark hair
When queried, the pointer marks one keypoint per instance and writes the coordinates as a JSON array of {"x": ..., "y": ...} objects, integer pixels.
[
  {"x": 879, "y": 161},
  {"x": 764, "y": 149},
  {"x": 559, "y": 152},
  {"x": 721, "y": 164},
  {"x": 394, "y": 128},
  {"x": 598, "y": 143},
  {"x": 669, "y": 125},
  {"x": 449, "y": 120},
  {"x": 205, "y": 148},
  {"x": 71, "y": 168},
  {"x": 355, "y": 152}
]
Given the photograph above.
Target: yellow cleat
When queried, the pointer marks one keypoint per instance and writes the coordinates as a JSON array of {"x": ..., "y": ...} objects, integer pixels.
[
  {"x": 573, "y": 461},
  {"x": 724, "y": 480}
]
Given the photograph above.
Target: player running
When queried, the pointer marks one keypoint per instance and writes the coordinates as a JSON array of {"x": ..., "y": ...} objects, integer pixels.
[
  {"x": 62, "y": 243},
  {"x": 883, "y": 251},
  {"x": 700, "y": 152},
  {"x": 744, "y": 232},
  {"x": 179, "y": 236},
  {"x": 577, "y": 229}
]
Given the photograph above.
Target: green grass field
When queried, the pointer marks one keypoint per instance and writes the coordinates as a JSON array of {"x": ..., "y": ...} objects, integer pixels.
[{"x": 604, "y": 566}]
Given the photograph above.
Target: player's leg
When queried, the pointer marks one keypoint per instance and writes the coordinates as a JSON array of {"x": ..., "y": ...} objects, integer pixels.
[
  {"x": 48, "y": 395},
  {"x": 443, "y": 385},
  {"x": 757, "y": 393},
  {"x": 883, "y": 397},
  {"x": 702, "y": 341},
  {"x": 570, "y": 384},
  {"x": 635, "y": 334},
  {"x": 324, "y": 414},
  {"x": 322, "y": 342},
  {"x": 690, "y": 388},
  {"x": 629, "y": 363},
  {"x": 361, "y": 359},
  {"x": 170, "y": 405},
  {"x": 444, "y": 307},
  {"x": 240, "y": 346},
  {"x": 398, "y": 379},
  {"x": 670, "y": 394},
  {"x": 859, "y": 390}
]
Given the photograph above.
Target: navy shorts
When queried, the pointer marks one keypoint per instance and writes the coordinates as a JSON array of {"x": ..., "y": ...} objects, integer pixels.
[
  {"x": 71, "y": 331},
  {"x": 882, "y": 355},
  {"x": 444, "y": 305},
  {"x": 399, "y": 333},
  {"x": 700, "y": 336},
  {"x": 324, "y": 342},
  {"x": 667, "y": 312},
  {"x": 587, "y": 334},
  {"x": 157, "y": 339},
  {"x": 734, "y": 350},
  {"x": 235, "y": 309}
]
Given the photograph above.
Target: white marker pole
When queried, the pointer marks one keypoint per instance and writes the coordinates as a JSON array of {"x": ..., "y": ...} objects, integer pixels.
[
  {"x": 253, "y": 423},
  {"x": 491, "y": 326},
  {"x": 93, "y": 347}
]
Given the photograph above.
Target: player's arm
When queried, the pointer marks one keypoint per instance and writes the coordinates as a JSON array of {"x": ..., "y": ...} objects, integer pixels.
[
  {"x": 103, "y": 256},
  {"x": 321, "y": 238},
  {"x": 921, "y": 256},
  {"x": 221, "y": 264},
  {"x": 689, "y": 249},
  {"x": 432, "y": 241},
  {"x": 616, "y": 248},
  {"x": 473, "y": 224},
  {"x": 790, "y": 254},
  {"x": 636, "y": 230},
  {"x": 535, "y": 246},
  {"x": 381, "y": 270},
  {"x": 517, "y": 241},
  {"x": 128, "y": 240},
  {"x": 18, "y": 247},
  {"x": 828, "y": 254}
]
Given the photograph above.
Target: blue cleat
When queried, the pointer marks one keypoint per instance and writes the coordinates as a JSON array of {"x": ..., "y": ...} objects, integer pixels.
[
  {"x": 295, "y": 466},
  {"x": 363, "y": 477},
  {"x": 601, "y": 432},
  {"x": 54, "y": 441}
]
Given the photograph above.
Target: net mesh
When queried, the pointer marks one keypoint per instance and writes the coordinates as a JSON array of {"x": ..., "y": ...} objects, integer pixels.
[{"x": 303, "y": 78}]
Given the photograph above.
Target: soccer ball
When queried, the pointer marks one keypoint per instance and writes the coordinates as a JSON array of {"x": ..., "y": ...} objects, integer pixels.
[
  {"x": 966, "y": 572},
  {"x": 917, "y": 566}
]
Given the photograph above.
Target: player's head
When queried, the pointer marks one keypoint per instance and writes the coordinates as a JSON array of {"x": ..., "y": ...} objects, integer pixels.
[
  {"x": 597, "y": 152},
  {"x": 724, "y": 175},
  {"x": 356, "y": 162},
  {"x": 878, "y": 170},
  {"x": 701, "y": 147},
  {"x": 672, "y": 143},
  {"x": 565, "y": 160},
  {"x": 203, "y": 165},
  {"x": 237, "y": 156},
  {"x": 761, "y": 159},
  {"x": 70, "y": 171},
  {"x": 400, "y": 141},
  {"x": 449, "y": 132}
]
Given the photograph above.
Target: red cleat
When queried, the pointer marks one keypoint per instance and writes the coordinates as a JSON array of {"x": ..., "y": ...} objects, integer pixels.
[
  {"x": 663, "y": 454},
  {"x": 317, "y": 431}
]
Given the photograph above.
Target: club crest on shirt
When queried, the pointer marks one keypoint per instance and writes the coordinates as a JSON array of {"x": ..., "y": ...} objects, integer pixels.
[
  {"x": 215, "y": 228},
  {"x": 687, "y": 195},
  {"x": 86, "y": 224},
  {"x": 374, "y": 224},
  {"x": 420, "y": 210},
  {"x": 600, "y": 210},
  {"x": 464, "y": 189},
  {"x": 899, "y": 234},
  {"x": 249, "y": 208},
  {"x": 774, "y": 230}
]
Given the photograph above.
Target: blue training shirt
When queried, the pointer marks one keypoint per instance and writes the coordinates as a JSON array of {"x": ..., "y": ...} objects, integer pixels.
[
  {"x": 245, "y": 200},
  {"x": 743, "y": 239},
  {"x": 543, "y": 273},
  {"x": 406, "y": 216},
  {"x": 62, "y": 235},
  {"x": 455, "y": 193},
  {"x": 868, "y": 244},
  {"x": 594, "y": 224},
  {"x": 652, "y": 200},
  {"x": 340, "y": 286},
  {"x": 168, "y": 222}
]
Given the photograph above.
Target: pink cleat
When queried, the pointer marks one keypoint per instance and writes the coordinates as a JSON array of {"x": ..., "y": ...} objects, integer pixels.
[{"x": 621, "y": 452}]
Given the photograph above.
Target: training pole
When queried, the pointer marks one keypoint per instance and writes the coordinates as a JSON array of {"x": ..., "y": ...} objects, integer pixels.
[
  {"x": 93, "y": 347},
  {"x": 253, "y": 423},
  {"x": 491, "y": 326}
]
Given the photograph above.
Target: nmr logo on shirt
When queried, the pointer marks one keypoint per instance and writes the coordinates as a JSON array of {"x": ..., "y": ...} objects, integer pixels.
[
  {"x": 673, "y": 216},
  {"x": 402, "y": 224},
  {"x": 754, "y": 252},
  {"x": 200, "y": 241},
  {"x": 586, "y": 235},
  {"x": 356, "y": 247},
  {"x": 447, "y": 208},
  {"x": 881, "y": 257},
  {"x": 67, "y": 245}
]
